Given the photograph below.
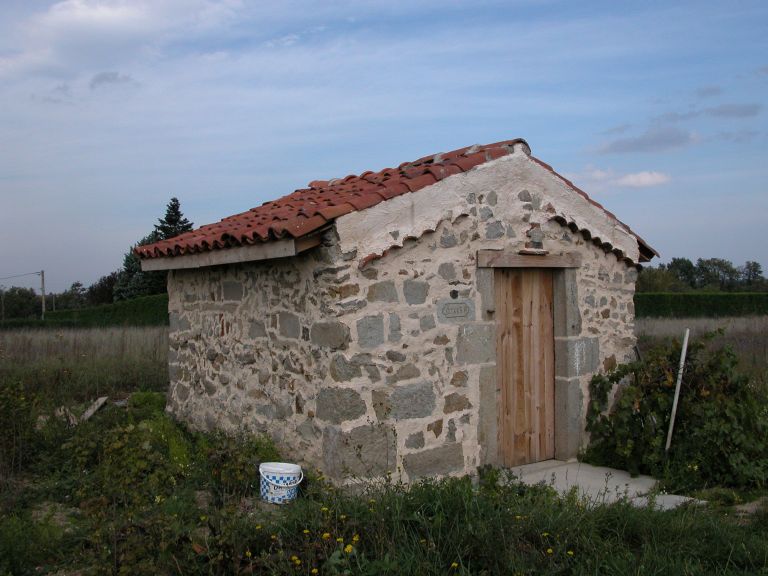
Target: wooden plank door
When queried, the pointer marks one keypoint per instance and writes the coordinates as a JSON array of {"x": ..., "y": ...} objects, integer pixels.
[{"x": 525, "y": 365}]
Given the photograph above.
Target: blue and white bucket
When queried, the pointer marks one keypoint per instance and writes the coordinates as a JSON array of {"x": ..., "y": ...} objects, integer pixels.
[{"x": 280, "y": 481}]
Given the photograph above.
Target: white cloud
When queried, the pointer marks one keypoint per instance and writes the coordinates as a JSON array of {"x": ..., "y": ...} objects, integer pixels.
[
  {"x": 72, "y": 36},
  {"x": 596, "y": 180},
  {"x": 643, "y": 179}
]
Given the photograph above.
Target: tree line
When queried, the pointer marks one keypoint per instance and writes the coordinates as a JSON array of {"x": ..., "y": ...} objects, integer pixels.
[
  {"x": 125, "y": 283},
  {"x": 706, "y": 275}
]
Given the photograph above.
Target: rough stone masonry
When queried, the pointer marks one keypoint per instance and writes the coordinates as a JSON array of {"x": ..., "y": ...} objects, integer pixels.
[{"x": 374, "y": 353}]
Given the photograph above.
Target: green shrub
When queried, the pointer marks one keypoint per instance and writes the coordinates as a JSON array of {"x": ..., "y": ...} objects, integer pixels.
[
  {"x": 145, "y": 405},
  {"x": 700, "y": 304},
  {"x": 18, "y": 412},
  {"x": 25, "y": 543},
  {"x": 233, "y": 463},
  {"x": 721, "y": 430}
]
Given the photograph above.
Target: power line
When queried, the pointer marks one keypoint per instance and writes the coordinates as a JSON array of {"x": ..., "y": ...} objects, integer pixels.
[{"x": 20, "y": 275}]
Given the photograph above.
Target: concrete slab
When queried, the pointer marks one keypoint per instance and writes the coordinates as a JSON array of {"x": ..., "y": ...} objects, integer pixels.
[
  {"x": 664, "y": 501},
  {"x": 595, "y": 484}
]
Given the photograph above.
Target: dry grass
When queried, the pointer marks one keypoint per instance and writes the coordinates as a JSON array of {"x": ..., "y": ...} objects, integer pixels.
[
  {"x": 748, "y": 336},
  {"x": 70, "y": 366},
  {"x": 121, "y": 343}
]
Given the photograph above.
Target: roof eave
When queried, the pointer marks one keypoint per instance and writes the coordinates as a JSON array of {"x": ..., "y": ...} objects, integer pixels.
[{"x": 265, "y": 251}]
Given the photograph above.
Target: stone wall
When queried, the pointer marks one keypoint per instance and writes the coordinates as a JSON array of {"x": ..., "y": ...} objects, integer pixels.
[
  {"x": 250, "y": 346},
  {"x": 367, "y": 366}
]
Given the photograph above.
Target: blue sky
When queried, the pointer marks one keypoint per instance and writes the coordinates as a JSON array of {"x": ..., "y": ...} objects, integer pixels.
[{"x": 109, "y": 108}]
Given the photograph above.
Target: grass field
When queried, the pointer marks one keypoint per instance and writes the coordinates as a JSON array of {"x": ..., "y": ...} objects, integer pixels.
[
  {"x": 128, "y": 343},
  {"x": 748, "y": 336},
  {"x": 79, "y": 365}
]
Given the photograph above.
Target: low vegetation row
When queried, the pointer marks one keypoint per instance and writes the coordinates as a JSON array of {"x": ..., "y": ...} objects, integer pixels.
[
  {"x": 700, "y": 304},
  {"x": 153, "y": 310},
  {"x": 142, "y": 311}
]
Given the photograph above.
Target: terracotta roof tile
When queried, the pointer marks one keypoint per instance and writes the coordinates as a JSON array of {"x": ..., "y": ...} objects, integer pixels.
[{"x": 310, "y": 209}]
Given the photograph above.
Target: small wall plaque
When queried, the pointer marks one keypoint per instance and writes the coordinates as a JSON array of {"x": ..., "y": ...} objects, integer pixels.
[{"x": 450, "y": 311}]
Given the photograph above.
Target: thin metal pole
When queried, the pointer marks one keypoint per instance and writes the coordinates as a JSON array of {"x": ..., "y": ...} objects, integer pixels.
[
  {"x": 677, "y": 389},
  {"x": 2, "y": 304},
  {"x": 42, "y": 292}
]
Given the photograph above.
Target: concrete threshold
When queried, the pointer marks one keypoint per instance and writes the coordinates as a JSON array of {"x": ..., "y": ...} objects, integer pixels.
[{"x": 596, "y": 484}]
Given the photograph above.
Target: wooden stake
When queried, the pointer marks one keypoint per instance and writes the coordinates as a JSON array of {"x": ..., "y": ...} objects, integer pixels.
[
  {"x": 677, "y": 389},
  {"x": 42, "y": 292}
]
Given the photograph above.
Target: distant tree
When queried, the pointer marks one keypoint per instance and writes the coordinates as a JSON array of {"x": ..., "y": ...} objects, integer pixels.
[
  {"x": 752, "y": 274},
  {"x": 684, "y": 270},
  {"x": 709, "y": 274},
  {"x": 74, "y": 297},
  {"x": 716, "y": 274},
  {"x": 132, "y": 282},
  {"x": 102, "y": 291},
  {"x": 21, "y": 303},
  {"x": 173, "y": 223},
  {"x": 659, "y": 279}
]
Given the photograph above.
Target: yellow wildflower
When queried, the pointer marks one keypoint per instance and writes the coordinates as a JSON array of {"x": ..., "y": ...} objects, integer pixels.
[
  {"x": 348, "y": 548},
  {"x": 324, "y": 509},
  {"x": 549, "y": 550},
  {"x": 570, "y": 552},
  {"x": 454, "y": 565},
  {"x": 274, "y": 536},
  {"x": 545, "y": 534},
  {"x": 314, "y": 571},
  {"x": 306, "y": 531},
  {"x": 297, "y": 562},
  {"x": 340, "y": 539},
  {"x": 355, "y": 538},
  {"x": 343, "y": 517},
  {"x": 326, "y": 535},
  {"x": 248, "y": 554},
  {"x": 258, "y": 526}
]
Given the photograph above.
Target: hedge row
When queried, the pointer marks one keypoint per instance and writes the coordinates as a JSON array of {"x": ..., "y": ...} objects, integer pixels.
[
  {"x": 153, "y": 310},
  {"x": 700, "y": 304},
  {"x": 144, "y": 311}
]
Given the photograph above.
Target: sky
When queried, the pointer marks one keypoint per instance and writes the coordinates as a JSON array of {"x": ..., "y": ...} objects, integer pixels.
[{"x": 110, "y": 108}]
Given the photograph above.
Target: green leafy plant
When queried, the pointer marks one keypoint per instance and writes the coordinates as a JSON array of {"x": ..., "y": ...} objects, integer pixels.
[
  {"x": 721, "y": 426},
  {"x": 233, "y": 462}
]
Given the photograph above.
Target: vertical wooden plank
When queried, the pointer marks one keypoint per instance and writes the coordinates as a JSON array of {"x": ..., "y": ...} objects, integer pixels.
[
  {"x": 521, "y": 346},
  {"x": 504, "y": 363},
  {"x": 533, "y": 378},
  {"x": 528, "y": 345},
  {"x": 548, "y": 363}
]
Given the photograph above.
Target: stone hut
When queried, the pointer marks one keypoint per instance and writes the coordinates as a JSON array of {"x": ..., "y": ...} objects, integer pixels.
[{"x": 421, "y": 320}]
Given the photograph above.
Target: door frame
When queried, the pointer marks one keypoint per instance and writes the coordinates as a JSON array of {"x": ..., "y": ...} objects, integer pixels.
[{"x": 570, "y": 349}]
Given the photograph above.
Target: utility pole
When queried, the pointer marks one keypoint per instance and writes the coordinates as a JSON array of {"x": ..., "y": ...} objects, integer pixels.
[
  {"x": 2, "y": 304},
  {"x": 42, "y": 292}
]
